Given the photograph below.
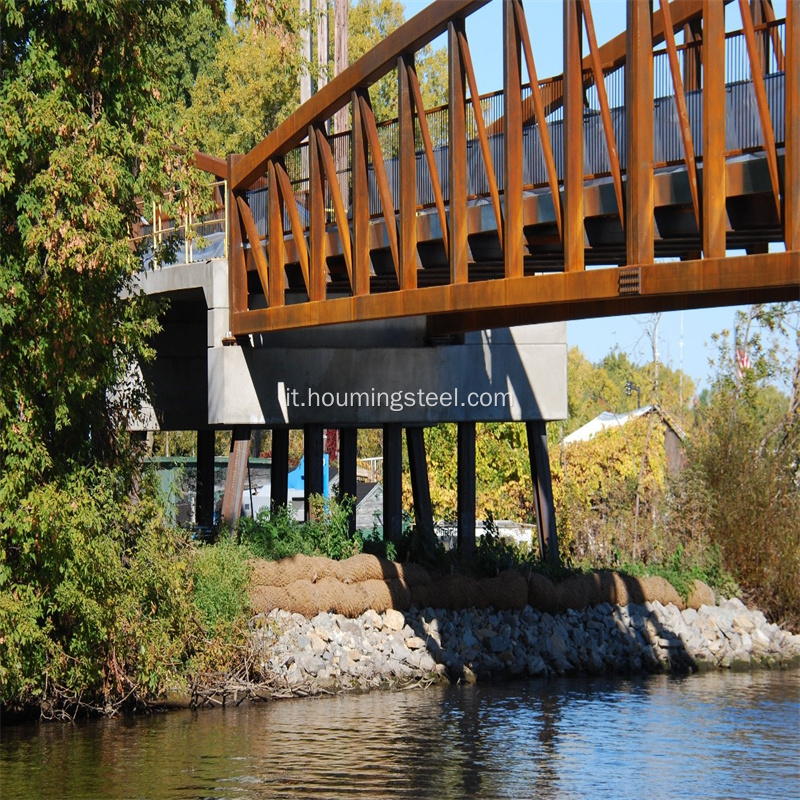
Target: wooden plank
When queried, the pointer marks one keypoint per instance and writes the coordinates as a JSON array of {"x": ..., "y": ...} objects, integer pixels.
[
  {"x": 290, "y": 205},
  {"x": 255, "y": 244},
  {"x": 542, "y": 490},
  {"x": 573, "y": 139},
  {"x": 381, "y": 178},
  {"x": 683, "y": 112},
  {"x": 757, "y": 77},
  {"x": 466, "y": 490},
  {"x": 433, "y": 170},
  {"x": 791, "y": 216},
  {"x": 361, "y": 265},
  {"x": 408, "y": 38},
  {"x": 640, "y": 232},
  {"x": 483, "y": 139},
  {"x": 605, "y": 110},
  {"x": 317, "y": 265},
  {"x": 714, "y": 216},
  {"x": 457, "y": 155},
  {"x": 407, "y": 166},
  {"x": 237, "y": 269},
  {"x": 277, "y": 253},
  {"x": 539, "y": 115},
  {"x": 339, "y": 211},
  {"x": 512, "y": 150}
]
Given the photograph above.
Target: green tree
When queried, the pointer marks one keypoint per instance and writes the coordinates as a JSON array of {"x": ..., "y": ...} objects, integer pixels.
[
  {"x": 250, "y": 86},
  {"x": 85, "y": 134}
]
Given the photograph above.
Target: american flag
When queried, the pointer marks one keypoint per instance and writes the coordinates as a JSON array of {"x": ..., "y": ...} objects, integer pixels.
[{"x": 742, "y": 362}]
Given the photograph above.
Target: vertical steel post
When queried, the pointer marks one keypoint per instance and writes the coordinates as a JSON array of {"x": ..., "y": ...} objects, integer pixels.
[
  {"x": 573, "y": 138},
  {"x": 392, "y": 482},
  {"x": 348, "y": 473},
  {"x": 466, "y": 490},
  {"x": 279, "y": 469},
  {"x": 204, "y": 501},
  {"x": 420, "y": 485},
  {"x": 512, "y": 152},
  {"x": 313, "y": 453},
  {"x": 640, "y": 229},
  {"x": 714, "y": 216},
  {"x": 542, "y": 490}
]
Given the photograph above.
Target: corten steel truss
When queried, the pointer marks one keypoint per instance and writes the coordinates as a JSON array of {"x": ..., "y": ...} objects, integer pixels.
[{"x": 389, "y": 220}]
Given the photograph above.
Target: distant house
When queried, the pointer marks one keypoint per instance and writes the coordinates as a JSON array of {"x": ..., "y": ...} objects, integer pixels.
[{"x": 674, "y": 437}]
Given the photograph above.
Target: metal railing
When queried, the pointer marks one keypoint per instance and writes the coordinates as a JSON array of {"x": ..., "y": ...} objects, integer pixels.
[
  {"x": 169, "y": 232},
  {"x": 742, "y": 136}
]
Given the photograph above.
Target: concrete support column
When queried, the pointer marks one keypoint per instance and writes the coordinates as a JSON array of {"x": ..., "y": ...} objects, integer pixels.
[
  {"x": 313, "y": 452},
  {"x": 204, "y": 503},
  {"x": 236, "y": 474},
  {"x": 392, "y": 482},
  {"x": 542, "y": 490},
  {"x": 279, "y": 469},
  {"x": 420, "y": 486},
  {"x": 348, "y": 475},
  {"x": 466, "y": 490}
]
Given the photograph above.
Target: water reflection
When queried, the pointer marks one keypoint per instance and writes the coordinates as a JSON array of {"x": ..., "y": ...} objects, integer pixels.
[{"x": 716, "y": 735}]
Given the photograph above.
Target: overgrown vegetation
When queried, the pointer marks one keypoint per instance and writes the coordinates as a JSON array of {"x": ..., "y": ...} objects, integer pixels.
[{"x": 273, "y": 535}]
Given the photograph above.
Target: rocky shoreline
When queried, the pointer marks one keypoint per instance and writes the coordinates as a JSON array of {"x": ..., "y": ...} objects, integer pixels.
[{"x": 330, "y": 653}]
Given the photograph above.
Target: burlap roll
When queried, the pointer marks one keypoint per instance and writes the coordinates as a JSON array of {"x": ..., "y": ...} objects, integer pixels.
[
  {"x": 365, "y": 567},
  {"x": 413, "y": 574},
  {"x": 656, "y": 588},
  {"x": 265, "y": 598},
  {"x": 383, "y": 595},
  {"x": 542, "y": 594},
  {"x": 509, "y": 590},
  {"x": 289, "y": 570},
  {"x": 303, "y": 598},
  {"x": 577, "y": 591},
  {"x": 700, "y": 595}
]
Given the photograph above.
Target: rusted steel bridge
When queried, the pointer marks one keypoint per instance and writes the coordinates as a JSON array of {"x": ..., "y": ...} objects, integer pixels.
[{"x": 653, "y": 174}]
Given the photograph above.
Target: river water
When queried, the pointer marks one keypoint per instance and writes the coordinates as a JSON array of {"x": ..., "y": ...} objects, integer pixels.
[{"x": 717, "y": 735}]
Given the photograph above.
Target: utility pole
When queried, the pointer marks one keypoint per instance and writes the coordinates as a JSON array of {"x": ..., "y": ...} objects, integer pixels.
[
  {"x": 340, "y": 56},
  {"x": 305, "y": 48},
  {"x": 322, "y": 43}
]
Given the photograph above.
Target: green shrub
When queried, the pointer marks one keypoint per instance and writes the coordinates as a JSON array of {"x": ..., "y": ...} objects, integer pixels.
[
  {"x": 273, "y": 535},
  {"x": 220, "y": 578}
]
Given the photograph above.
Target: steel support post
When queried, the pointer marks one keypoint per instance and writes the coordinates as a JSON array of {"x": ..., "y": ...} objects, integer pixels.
[
  {"x": 279, "y": 469},
  {"x": 348, "y": 474},
  {"x": 204, "y": 503},
  {"x": 466, "y": 490},
  {"x": 237, "y": 472},
  {"x": 392, "y": 482},
  {"x": 542, "y": 490},
  {"x": 420, "y": 485},
  {"x": 313, "y": 452}
]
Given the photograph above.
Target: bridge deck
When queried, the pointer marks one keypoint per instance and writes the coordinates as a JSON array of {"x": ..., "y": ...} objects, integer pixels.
[{"x": 553, "y": 200}]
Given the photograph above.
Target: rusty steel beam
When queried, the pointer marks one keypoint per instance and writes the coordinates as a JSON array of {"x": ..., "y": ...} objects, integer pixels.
[
  {"x": 211, "y": 164},
  {"x": 573, "y": 139},
  {"x": 774, "y": 273},
  {"x": 791, "y": 212},
  {"x": 457, "y": 154},
  {"x": 407, "y": 165},
  {"x": 408, "y": 38},
  {"x": 714, "y": 217},
  {"x": 512, "y": 150},
  {"x": 237, "y": 269},
  {"x": 640, "y": 231}
]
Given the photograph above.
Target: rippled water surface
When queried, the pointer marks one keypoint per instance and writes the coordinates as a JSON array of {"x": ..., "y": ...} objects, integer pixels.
[{"x": 709, "y": 736}]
